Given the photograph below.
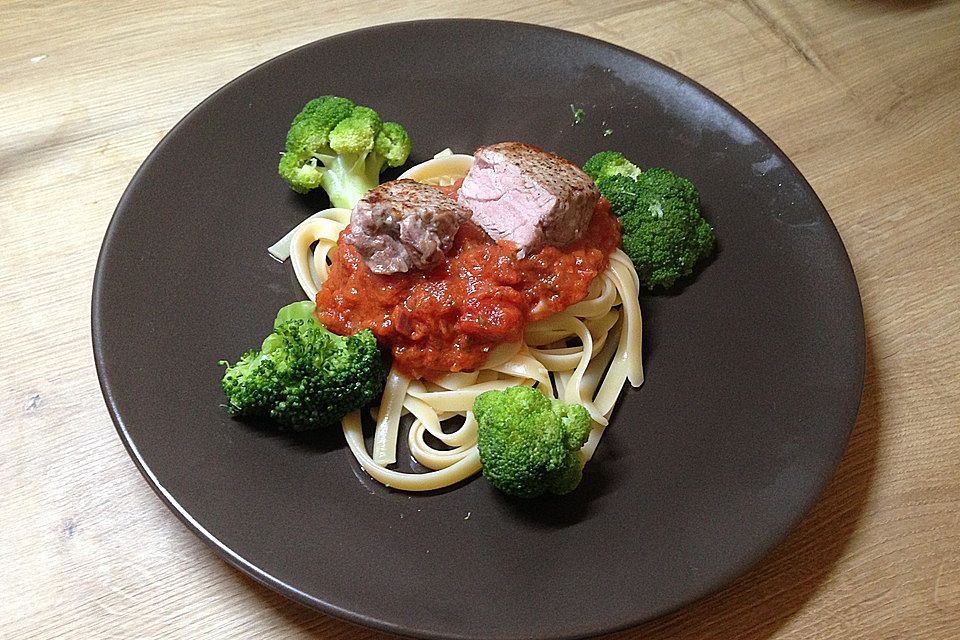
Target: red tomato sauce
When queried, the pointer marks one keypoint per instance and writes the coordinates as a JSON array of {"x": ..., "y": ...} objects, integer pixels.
[{"x": 449, "y": 318}]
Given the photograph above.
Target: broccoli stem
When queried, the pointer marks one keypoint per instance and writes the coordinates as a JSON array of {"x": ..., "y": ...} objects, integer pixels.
[{"x": 349, "y": 177}]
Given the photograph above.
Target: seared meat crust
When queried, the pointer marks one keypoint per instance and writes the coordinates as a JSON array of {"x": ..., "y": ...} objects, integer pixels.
[{"x": 403, "y": 225}]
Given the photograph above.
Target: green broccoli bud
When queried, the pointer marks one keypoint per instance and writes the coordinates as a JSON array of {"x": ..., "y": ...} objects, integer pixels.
[
  {"x": 529, "y": 444},
  {"x": 356, "y": 134},
  {"x": 304, "y": 377},
  {"x": 610, "y": 163},
  {"x": 302, "y": 310},
  {"x": 302, "y": 175},
  {"x": 663, "y": 231},
  {"x": 393, "y": 143},
  {"x": 622, "y": 192},
  {"x": 341, "y": 147}
]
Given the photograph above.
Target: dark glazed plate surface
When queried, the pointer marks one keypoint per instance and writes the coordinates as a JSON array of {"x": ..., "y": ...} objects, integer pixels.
[{"x": 754, "y": 368}]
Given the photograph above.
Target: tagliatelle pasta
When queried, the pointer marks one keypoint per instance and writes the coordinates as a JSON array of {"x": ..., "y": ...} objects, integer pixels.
[{"x": 584, "y": 354}]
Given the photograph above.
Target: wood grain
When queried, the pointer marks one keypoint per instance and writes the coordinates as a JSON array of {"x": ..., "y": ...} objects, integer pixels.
[{"x": 864, "y": 96}]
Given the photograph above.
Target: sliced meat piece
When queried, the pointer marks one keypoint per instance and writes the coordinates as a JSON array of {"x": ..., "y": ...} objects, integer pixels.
[
  {"x": 526, "y": 195},
  {"x": 404, "y": 225}
]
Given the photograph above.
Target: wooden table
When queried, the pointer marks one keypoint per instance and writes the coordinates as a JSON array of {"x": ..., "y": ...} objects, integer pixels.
[{"x": 863, "y": 95}]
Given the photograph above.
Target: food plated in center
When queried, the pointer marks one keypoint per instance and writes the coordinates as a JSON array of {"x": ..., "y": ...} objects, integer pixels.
[
  {"x": 472, "y": 292},
  {"x": 495, "y": 282}
]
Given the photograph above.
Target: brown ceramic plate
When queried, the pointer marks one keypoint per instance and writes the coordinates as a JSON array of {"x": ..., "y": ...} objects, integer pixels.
[{"x": 754, "y": 367}]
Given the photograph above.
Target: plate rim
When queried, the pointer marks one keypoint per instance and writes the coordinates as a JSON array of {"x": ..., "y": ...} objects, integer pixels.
[{"x": 291, "y": 592}]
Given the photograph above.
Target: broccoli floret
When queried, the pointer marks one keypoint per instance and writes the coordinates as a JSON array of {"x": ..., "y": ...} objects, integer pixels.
[
  {"x": 341, "y": 147},
  {"x": 304, "y": 377},
  {"x": 529, "y": 443},
  {"x": 610, "y": 163},
  {"x": 663, "y": 231}
]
